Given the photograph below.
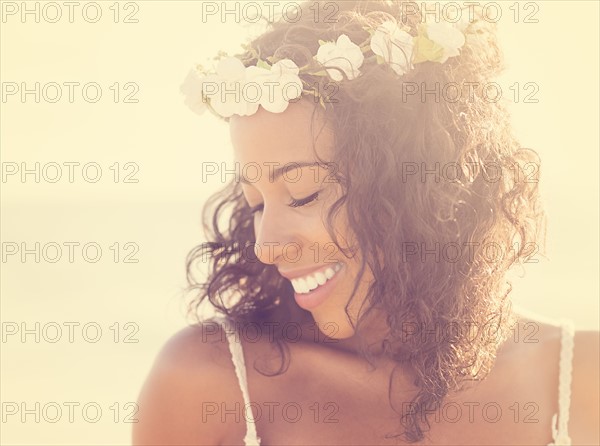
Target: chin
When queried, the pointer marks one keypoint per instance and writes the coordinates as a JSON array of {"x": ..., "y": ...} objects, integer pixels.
[{"x": 335, "y": 327}]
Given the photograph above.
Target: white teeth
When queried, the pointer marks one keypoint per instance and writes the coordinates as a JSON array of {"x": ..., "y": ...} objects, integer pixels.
[
  {"x": 321, "y": 279},
  {"x": 302, "y": 286},
  {"x": 306, "y": 284},
  {"x": 312, "y": 283}
]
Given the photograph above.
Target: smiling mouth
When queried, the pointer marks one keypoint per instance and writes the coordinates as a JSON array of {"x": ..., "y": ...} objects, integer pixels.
[{"x": 310, "y": 282}]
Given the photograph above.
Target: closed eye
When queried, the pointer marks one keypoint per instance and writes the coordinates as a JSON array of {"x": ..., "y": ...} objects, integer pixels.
[
  {"x": 293, "y": 204},
  {"x": 304, "y": 201}
]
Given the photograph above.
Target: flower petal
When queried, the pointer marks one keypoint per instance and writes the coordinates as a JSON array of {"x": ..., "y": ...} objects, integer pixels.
[
  {"x": 231, "y": 68},
  {"x": 285, "y": 66},
  {"x": 191, "y": 88},
  {"x": 394, "y": 45},
  {"x": 344, "y": 54},
  {"x": 448, "y": 37}
]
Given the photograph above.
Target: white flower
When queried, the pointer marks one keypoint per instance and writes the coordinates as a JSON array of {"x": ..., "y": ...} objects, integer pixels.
[
  {"x": 279, "y": 84},
  {"x": 285, "y": 66},
  {"x": 287, "y": 86},
  {"x": 238, "y": 90},
  {"x": 192, "y": 89},
  {"x": 394, "y": 45},
  {"x": 342, "y": 54},
  {"x": 226, "y": 89},
  {"x": 447, "y": 36}
]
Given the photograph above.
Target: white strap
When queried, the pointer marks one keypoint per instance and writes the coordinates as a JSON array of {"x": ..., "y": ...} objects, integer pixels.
[
  {"x": 560, "y": 434},
  {"x": 237, "y": 356}
]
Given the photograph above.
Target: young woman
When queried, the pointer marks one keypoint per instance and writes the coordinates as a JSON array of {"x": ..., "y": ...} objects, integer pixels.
[{"x": 358, "y": 256}]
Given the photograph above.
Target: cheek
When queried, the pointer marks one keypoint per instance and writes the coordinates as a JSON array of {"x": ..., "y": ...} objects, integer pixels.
[
  {"x": 339, "y": 223},
  {"x": 345, "y": 236}
]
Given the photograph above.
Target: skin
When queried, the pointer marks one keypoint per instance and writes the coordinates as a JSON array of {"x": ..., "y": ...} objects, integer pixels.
[{"x": 342, "y": 400}]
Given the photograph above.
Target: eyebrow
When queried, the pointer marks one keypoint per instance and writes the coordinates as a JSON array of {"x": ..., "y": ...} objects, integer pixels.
[{"x": 279, "y": 171}]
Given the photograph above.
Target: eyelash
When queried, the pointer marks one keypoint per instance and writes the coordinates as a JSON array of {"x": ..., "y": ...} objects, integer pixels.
[{"x": 293, "y": 204}]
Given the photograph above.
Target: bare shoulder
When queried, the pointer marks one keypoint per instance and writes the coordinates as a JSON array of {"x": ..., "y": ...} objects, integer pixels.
[
  {"x": 191, "y": 379},
  {"x": 541, "y": 342},
  {"x": 584, "y": 426}
]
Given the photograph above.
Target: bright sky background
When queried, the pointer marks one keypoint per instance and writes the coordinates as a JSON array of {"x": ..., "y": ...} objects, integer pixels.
[{"x": 160, "y": 214}]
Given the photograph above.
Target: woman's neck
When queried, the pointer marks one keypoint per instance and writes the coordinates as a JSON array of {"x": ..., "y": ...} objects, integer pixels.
[{"x": 372, "y": 331}]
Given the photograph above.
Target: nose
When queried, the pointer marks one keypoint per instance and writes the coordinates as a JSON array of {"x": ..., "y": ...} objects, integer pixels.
[{"x": 276, "y": 237}]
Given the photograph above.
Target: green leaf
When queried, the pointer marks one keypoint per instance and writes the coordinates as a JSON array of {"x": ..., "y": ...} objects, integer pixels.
[
  {"x": 263, "y": 64},
  {"x": 426, "y": 49},
  {"x": 322, "y": 42}
]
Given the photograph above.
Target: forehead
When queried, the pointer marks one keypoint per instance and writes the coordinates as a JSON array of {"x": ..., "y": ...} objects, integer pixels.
[{"x": 281, "y": 137}]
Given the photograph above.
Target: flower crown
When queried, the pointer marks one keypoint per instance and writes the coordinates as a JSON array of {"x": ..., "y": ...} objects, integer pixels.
[{"x": 272, "y": 84}]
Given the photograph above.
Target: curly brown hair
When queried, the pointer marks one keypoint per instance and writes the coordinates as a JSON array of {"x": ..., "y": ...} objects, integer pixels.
[{"x": 380, "y": 131}]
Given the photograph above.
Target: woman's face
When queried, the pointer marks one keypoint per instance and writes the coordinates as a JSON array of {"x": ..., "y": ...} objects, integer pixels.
[{"x": 291, "y": 207}]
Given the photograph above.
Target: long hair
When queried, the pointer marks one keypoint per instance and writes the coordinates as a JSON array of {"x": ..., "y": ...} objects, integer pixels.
[{"x": 440, "y": 196}]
